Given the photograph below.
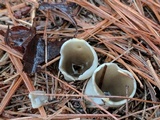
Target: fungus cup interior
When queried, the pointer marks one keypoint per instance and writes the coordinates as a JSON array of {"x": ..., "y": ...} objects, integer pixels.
[
  {"x": 114, "y": 82},
  {"x": 78, "y": 58}
]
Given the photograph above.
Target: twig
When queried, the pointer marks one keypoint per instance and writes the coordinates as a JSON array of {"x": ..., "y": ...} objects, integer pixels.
[
  {"x": 9, "y": 94},
  {"x": 82, "y": 94},
  {"x": 102, "y": 77},
  {"x": 12, "y": 77},
  {"x": 153, "y": 73}
]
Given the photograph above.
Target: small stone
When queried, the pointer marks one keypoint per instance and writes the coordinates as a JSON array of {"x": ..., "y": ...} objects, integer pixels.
[{"x": 38, "y": 98}]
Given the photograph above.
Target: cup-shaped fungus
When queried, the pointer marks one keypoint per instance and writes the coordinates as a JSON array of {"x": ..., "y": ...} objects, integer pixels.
[
  {"x": 78, "y": 60},
  {"x": 109, "y": 79},
  {"x": 38, "y": 98}
]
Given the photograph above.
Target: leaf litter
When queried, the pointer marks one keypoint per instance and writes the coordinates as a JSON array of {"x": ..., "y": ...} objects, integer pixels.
[
  {"x": 125, "y": 32},
  {"x": 32, "y": 46}
]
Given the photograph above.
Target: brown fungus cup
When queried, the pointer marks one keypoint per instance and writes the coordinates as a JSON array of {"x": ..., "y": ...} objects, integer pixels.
[
  {"x": 78, "y": 60},
  {"x": 109, "y": 79}
]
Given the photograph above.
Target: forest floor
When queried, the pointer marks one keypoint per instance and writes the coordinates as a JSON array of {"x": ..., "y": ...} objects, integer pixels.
[{"x": 126, "y": 32}]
